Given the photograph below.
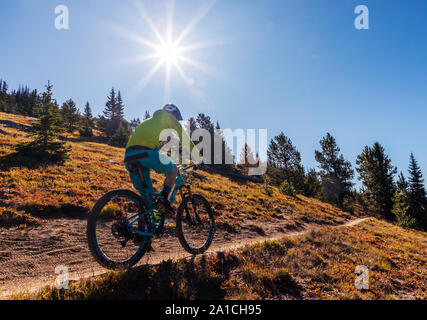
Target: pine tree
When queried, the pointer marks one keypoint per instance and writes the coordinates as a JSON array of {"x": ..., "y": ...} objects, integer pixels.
[
  {"x": 284, "y": 163},
  {"x": 402, "y": 183},
  {"x": 87, "y": 122},
  {"x": 282, "y": 154},
  {"x": 45, "y": 130},
  {"x": 377, "y": 173},
  {"x": 106, "y": 123},
  {"x": 334, "y": 170},
  {"x": 48, "y": 125},
  {"x": 313, "y": 186},
  {"x": 113, "y": 114},
  {"x": 204, "y": 122},
  {"x": 11, "y": 103},
  {"x": 87, "y": 113},
  {"x": 70, "y": 115},
  {"x": 34, "y": 100},
  {"x": 135, "y": 123},
  {"x": 401, "y": 209},
  {"x": 120, "y": 138},
  {"x": 227, "y": 158},
  {"x": 24, "y": 100},
  {"x": 110, "y": 106},
  {"x": 416, "y": 192},
  {"x": 3, "y": 96},
  {"x": 119, "y": 108},
  {"x": 247, "y": 158},
  {"x": 191, "y": 126}
]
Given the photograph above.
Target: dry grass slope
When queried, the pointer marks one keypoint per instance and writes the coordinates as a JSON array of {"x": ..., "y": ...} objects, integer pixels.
[
  {"x": 95, "y": 168},
  {"x": 319, "y": 265}
]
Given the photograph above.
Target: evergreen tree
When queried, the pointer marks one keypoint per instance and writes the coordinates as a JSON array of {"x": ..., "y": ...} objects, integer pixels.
[
  {"x": 87, "y": 122},
  {"x": 48, "y": 126},
  {"x": 106, "y": 122},
  {"x": 25, "y": 101},
  {"x": 87, "y": 114},
  {"x": 226, "y": 152},
  {"x": 220, "y": 159},
  {"x": 247, "y": 158},
  {"x": 402, "y": 183},
  {"x": 376, "y": 173},
  {"x": 70, "y": 115},
  {"x": 401, "y": 209},
  {"x": 45, "y": 131},
  {"x": 3, "y": 96},
  {"x": 119, "y": 109},
  {"x": 313, "y": 186},
  {"x": 110, "y": 105},
  {"x": 120, "y": 138},
  {"x": 135, "y": 123},
  {"x": 335, "y": 171},
  {"x": 11, "y": 103},
  {"x": 417, "y": 193},
  {"x": 191, "y": 126},
  {"x": 282, "y": 153},
  {"x": 113, "y": 115},
  {"x": 34, "y": 100},
  {"x": 204, "y": 122},
  {"x": 284, "y": 163},
  {"x": 21, "y": 101}
]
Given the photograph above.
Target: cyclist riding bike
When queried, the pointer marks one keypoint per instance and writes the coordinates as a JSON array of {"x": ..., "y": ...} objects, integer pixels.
[{"x": 144, "y": 146}]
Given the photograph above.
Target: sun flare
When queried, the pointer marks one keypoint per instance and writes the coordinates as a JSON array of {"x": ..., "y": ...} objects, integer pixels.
[{"x": 168, "y": 51}]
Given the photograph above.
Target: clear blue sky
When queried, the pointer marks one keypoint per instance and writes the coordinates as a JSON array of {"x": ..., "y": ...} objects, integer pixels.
[{"x": 297, "y": 66}]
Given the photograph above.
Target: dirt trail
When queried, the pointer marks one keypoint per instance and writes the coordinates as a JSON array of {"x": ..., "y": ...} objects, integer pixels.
[{"x": 28, "y": 258}]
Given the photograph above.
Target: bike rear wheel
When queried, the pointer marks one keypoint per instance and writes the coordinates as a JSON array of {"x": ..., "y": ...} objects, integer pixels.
[
  {"x": 112, "y": 243},
  {"x": 195, "y": 224}
]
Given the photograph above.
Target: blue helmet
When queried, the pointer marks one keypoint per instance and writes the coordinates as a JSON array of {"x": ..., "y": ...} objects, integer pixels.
[{"x": 173, "y": 110}]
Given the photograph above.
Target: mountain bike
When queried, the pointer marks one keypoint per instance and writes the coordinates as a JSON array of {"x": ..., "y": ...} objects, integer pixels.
[{"x": 122, "y": 224}]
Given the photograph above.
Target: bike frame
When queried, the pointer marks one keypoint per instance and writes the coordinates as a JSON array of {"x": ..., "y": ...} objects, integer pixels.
[{"x": 149, "y": 194}]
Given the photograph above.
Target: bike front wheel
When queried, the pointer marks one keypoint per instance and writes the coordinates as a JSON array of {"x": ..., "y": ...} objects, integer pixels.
[{"x": 195, "y": 224}]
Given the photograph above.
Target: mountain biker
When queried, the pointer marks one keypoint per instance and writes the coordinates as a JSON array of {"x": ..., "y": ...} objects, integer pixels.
[{"x": 144, "y": 144}]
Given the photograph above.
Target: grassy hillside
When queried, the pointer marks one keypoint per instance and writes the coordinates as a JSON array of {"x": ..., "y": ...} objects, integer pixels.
[
  {"x": 318, "y": 265},
  {"x": 96, "y": 168}
]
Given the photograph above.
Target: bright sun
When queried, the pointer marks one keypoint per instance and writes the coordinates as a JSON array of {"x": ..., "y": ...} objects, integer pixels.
[{"x": 168, "y": 51}]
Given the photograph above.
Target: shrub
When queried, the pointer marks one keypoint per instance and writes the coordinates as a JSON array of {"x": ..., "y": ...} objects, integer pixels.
[
  {"x": 120, "y": 138},
  {"x": 266, "y": 188},
  {"x": 401, "y": 210},
  {"x": 287, "y": 188},
  {"x": 53, "y": 151},
  {"x": 86, "y": 130}
]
